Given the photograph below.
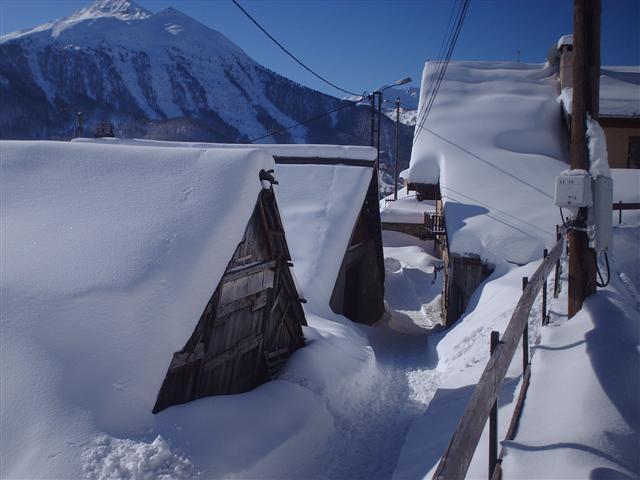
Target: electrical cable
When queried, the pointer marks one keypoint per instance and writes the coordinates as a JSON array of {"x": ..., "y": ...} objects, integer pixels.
[
  {"x": 445, "y": 40},
  {"x": 343, "y": 107},
  {"x": 441, "y": 73},
  {"x": 563, "y": 222},
  {"x": 285, "y": 50},
  {"x": 464, "y": 6},
  {"x": 602, "y": 283}
]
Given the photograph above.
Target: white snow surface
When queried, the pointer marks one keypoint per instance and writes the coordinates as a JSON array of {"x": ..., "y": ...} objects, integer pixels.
[
  {"x": 598, "y": 156},
  {"x": 406, "y": 209},
  {"x": 108, "y": 257},
  {"x": 319, "y": 205},
  {"x": 492, "y": 140},
  {"x": 565, "y": 40},
  {"x": 347, "y": 152},
  {"x": 581, "y": 417},
  {"x": 619, "y": 92},
  {"x": 626, "y": 185}
]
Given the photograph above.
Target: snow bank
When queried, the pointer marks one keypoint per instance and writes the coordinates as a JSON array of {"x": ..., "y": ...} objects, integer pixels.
[
  {"x": 406, "y": 209},
  {"x": 493, "y": 140},
  {"x": 462, "y": 353},
  {"x": 587, "y": 368},
  {"x": 581, "y": 416}
]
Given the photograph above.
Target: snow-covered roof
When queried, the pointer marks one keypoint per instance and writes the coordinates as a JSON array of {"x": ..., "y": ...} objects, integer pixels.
[
  {"x": 493, "y": 141},
  {"x": 319, "y": 205},
  {"x": 619, "y": 92},
  {"x": 565, "y": 40},
  {"x": 405, "y": 209},
  {"x": 346, "y": 152},
  {"x": 109, "y": 256}
]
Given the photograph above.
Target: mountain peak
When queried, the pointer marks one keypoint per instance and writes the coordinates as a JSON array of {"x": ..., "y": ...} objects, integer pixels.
[{"x": 120, "y": 9}]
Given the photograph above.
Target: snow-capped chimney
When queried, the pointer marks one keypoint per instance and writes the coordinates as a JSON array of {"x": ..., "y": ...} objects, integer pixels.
[{"x": 565, "y": 47}]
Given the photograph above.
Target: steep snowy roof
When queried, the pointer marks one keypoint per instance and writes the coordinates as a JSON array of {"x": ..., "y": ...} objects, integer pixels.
[
  {"x": 492, "y": 139},
  {"x": 619, "y": 92},
  {"x": 319, "y": 205},
  {"x": 346, "y": 152},
  {"x": 109, "y": 256}
]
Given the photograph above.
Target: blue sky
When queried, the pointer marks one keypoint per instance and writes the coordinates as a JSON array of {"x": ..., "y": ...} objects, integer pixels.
[{"x": 362, "y": 44}]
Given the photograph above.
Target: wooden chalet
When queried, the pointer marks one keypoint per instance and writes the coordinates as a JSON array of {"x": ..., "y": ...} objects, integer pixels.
[{"x": 251, "y": 324}]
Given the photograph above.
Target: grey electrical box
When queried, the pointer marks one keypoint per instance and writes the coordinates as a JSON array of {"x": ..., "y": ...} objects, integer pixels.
[
  {"x": 600, "y": 216},
  {"x": 573, "y": 189}
]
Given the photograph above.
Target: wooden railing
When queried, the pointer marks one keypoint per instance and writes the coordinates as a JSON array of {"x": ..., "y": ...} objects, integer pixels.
[
  {"x": 483, "y": 402},
  {"x": 624, "y": 206}
]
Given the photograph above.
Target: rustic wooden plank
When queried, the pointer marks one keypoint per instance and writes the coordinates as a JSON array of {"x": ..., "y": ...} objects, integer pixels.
[
  {"x": 245, "y": 270},
  {"x": 255, "y": 301},
  {"x": 457, "y": 458}
]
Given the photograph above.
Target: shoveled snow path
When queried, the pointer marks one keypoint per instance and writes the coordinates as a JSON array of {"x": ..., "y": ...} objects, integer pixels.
[
  {"x": 370, "y": 431},
  {"x": 371, "y": 426}
]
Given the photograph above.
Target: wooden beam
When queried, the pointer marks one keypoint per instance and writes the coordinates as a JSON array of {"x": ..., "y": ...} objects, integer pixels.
[{"x": 323, "y": 161}]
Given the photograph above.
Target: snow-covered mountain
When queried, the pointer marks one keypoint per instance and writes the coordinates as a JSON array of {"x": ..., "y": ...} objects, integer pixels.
[{"x": 157, "y": 75}]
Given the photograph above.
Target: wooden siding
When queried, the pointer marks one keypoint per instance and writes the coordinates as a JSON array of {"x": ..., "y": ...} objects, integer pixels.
[{"x": 251, "y": 324}]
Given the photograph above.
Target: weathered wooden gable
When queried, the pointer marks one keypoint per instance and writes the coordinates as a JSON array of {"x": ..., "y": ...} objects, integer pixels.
[{"x": 251, "y": 324}]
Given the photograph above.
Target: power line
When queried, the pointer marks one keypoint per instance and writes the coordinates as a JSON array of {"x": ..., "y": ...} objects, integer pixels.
[
  {"x": 285, "y": 50},
  {"x": 441, "y": 71},
  {"x": 443, "y": 65},
  {"x": 325, "y": 114},
  {"x": 446, "y": 41}
]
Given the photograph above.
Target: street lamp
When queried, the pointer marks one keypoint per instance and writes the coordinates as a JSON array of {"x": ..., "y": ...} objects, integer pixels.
[{"x": 378, "y": 93}]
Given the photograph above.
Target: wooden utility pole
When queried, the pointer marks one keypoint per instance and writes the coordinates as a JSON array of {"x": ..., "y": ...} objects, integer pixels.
[
  {"x": 586, "y": 92},
  {"x": 395, "y": 184}
]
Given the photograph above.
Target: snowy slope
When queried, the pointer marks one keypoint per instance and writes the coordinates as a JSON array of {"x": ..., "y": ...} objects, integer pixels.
[
  {"x": 159, "y": 75},
  {"x": 493, "y": 141}
]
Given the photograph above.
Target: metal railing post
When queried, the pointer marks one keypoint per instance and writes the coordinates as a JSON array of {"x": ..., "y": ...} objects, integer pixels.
[
  {"x": 493, "y": 417},
  {"x": 525, "y": 335}
]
